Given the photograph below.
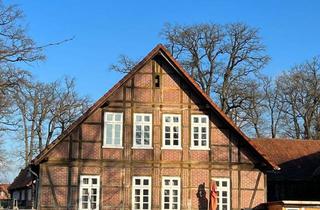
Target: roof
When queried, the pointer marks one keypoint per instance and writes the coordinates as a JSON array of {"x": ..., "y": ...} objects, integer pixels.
[
  {"x": 298, "y": 159},
  {"x": 4, "y": 188},
  {"x": 24, "y": 179},
  {"x": 162, "y": 51}
]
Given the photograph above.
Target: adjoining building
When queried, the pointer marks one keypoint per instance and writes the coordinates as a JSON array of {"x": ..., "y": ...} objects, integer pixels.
[
  {"x": 299, "y": 177},
  {"x": 4, "y": 195},
  {"x": 23, "y": 189}
]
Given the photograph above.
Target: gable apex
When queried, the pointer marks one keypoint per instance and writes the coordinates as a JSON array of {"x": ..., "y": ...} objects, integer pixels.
[{"x": 161, "y": 50}]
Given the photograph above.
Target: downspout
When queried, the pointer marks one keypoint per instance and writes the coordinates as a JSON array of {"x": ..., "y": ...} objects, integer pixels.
[{"x": 35, "y": 200}]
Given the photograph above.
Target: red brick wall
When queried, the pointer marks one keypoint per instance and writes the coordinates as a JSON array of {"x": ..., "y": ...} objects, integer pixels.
[{"x": 117, "y": 166}]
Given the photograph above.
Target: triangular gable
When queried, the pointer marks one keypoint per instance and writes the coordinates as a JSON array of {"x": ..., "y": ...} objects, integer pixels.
[{"x": 160, "y": 50}]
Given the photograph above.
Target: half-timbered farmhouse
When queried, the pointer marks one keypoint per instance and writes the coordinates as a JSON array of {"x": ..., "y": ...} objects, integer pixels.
[{"x": 153, "y": 141}]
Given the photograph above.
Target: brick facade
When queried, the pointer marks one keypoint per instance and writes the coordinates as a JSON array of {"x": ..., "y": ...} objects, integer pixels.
[{"x": 82, "y": 152}]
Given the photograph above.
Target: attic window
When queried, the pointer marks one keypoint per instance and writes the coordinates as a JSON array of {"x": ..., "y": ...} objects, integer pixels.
[{"x": 157, "y": 81}]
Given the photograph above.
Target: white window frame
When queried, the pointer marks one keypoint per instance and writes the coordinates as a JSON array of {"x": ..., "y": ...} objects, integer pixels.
[
  {"x": 112, "y": 145},
  {"x": 89, "y": 186},
  {"x": 171, "y": 124},
  {"x": 142, "y": 124},
  {"x": 141, "y": 187},
  {"x": 170, "y": 188},
  {"x": 220, "y": 189},
  {"x": 200, "y": 125}
]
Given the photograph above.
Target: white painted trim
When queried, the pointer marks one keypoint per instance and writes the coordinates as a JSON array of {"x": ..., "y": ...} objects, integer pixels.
[
  {"x": 89, "y": 186},
  {"x": 105, "y": 145},
  {"x": 134, "y": 187},
  {"x": 163, "y": 188},
  {"x": 142, "y": 146},
  {"x": 171, "y": 124},
  {"x": 200, "y": 125}
]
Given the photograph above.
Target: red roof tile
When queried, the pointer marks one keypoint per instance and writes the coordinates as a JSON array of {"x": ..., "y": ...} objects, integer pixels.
[
  {"x": 5, "y": 195},
  {"x": 298, "y": 159}
]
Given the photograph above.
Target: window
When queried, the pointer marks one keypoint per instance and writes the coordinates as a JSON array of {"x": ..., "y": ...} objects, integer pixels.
[
  {"x": 16, "y": 195},
  {"x": 157, "y": 80},
  {"x": 23, "y": 195},
  {"x": 89, "y": 192},
  {"x": 171, "y": 131},
  {"x": 113, "y": 129},
  {"x": 142, "y": 131},
  {"x": 141, "y": 192},
  {"x": 29, "y": 194},
  {"x": 170, "y": 193},
  {"x": 199, "y": 132},
  {"x": 223, "y": 191}
]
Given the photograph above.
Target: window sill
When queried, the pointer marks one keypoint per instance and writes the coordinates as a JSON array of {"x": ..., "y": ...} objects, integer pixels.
[
  {"x": 171, "y": 148},
  {"x": 112, "y": 147},
  {"x": 200, "y": 148},
  {"x": 135, "y": 147}
]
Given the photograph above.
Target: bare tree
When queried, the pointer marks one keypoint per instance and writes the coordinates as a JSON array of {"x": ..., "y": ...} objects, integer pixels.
[
  {"x": 124, "y": 65},
  {"x": 219, "y": 57},
  {"x": 300, "y": 93},
  {"x": 274, "y": 106},
  {"x": 44, "y": 111}
]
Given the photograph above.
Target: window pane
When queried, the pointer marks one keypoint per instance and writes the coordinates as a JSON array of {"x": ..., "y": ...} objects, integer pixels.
[
  {"x": 138, "y": 118},
  {"x": 85, "y": 198},
  {"x": 145, "y": 199},
  {"x": 94, "y": 181},
  {"x": 175, "y": 182},
  {"x": 85, "y": 181},
  {"x": 145, "y": 192},
  {"x": 85, "y": 205},
  {"x": 147, "y": 118},
  {"x": 167, "y": 119},
  {"x": 137, "y": 199},
  {"x": 109, "y": 134},
  {"x": 195, "y": 119},
  {"x": 145, "y": 182},
  {"x": 204, "y": 120},
  {"x": 145, "y": 206},
  {"x": 109, "y": 117},
  {"x": 146, "y": 128},
  {"x": 224, "y": 184},
  {"x": 118, "y": 117},
  {"x": 175, "y": 119}
]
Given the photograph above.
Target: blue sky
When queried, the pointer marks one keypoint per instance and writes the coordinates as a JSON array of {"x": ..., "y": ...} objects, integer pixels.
[{"x": 104, "y": 29}]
